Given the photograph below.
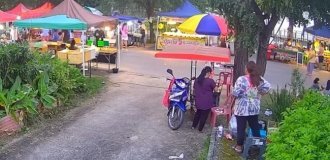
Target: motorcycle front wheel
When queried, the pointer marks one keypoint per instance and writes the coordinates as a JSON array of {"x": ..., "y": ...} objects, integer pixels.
[{"x": 175, "y": 118}]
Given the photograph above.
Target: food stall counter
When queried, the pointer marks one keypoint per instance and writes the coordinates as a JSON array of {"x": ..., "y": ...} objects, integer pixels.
[{"x": 75, "y": 57}]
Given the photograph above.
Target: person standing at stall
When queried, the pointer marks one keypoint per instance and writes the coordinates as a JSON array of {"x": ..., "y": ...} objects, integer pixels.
[
  {"x": 248, "y": 90},
  {"x": 203, "y": 89},
  {"x": 143, "y": 36},
  {"x": 320, "y": 56},
  {"x": 124, "y": 35},
  {"x": 311, "y": 62}
]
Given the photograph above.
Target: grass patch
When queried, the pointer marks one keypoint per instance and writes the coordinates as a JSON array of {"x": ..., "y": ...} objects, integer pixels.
[
  {"x": 94, "y": 85},
  {"x": 203, "y": 154},
  {"x": 226, "y": 152}
]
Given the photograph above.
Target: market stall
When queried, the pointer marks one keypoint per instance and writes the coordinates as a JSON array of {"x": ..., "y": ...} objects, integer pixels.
[
  {"x": 74, "y": 57},
  {"x": 7, "y": 34},
  {"x": 321, "y": 39},
  {"x": 133, "y": 25},
  {"x": 73, "y": 10},
  {"x": 167, "y": 22}
]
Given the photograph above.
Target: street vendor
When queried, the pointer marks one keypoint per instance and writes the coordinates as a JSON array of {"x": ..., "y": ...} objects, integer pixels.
[
  {"x": 311, "y": 61},
  {"x": 320, "y": 55},
  {"x": 72, "y": 45}
]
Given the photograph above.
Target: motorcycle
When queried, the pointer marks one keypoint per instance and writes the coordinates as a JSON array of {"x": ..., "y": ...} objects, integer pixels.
[{"x": 175, "y": 99}]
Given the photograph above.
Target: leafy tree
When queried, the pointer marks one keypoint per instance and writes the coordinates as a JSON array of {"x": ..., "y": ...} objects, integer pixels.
[
  {"x": 265, "y": 14},
  {"x": 151, "y": 6},
  {"x": 242, "y": 20}
]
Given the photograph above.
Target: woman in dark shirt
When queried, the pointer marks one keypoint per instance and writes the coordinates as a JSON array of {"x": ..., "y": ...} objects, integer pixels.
[{"x": 203, "y": 89}]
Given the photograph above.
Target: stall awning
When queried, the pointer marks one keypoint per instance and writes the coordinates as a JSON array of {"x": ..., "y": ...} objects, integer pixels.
[
  {"x": 94, "y": 11},
  {"x": 53, "y": 22},
  {"x": 18, "y": 10},
  {"x": 321, "y": 31},
  {"x": 195, "y": 53},
  {"x": 38, "y": 12},
  {"x": 6, "y": 17},
  {"x": 73, "y": 10},
  {"x": 186, "y": 10}
]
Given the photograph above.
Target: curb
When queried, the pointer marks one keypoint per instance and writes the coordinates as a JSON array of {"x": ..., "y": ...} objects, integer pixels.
[{"x": 213, "y": 145}]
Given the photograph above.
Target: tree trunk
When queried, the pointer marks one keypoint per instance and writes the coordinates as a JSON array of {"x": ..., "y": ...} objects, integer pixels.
[
  {"x": 263, "y": 42},
  {"x": 262, "y": 51},
  {"x": 241, "y": 59},
  {"x": 290, "y": 29},
  {"x": 152, "y": 32}
]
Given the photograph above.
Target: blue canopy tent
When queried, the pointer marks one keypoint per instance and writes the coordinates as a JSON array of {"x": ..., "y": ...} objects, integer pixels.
[
  {"x": 53, "y": 22},
  {"x": 186, "y": 10},
  {"x": 125, "y": 18},
  {"x": 321, "y": 31}
]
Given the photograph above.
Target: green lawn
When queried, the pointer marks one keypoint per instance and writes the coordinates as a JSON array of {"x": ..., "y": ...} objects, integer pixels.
[{"x": 203, "y": 154}]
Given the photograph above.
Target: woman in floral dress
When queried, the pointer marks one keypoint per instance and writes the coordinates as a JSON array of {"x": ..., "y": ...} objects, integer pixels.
[{"x": 248, "y": 90}]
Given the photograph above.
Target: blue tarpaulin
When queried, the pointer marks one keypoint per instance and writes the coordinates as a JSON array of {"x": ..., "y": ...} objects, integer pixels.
[
  {"x": 321, "y": 31},
  {"x": 127, "y": 18},
  {"x": 124, "y": 18},
  {"x": 186, "y": 10}
]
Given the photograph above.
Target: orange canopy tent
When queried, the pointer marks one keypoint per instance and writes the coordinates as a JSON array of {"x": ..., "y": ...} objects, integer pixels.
[
  {"x": 6, "y": 17},
  {"x": 38, "y": 12},
  {"x": 18, "y": 10}
]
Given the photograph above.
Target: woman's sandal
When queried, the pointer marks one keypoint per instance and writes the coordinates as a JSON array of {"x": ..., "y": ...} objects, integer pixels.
[{"x": 238, "y": 149}]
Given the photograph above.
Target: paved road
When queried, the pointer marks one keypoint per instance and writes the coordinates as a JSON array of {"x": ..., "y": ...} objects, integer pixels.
[{"x": 127, "y": 122}]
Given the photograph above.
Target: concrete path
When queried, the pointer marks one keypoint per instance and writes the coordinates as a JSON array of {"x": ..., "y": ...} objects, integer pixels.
[{"x": 127, "y": 121}]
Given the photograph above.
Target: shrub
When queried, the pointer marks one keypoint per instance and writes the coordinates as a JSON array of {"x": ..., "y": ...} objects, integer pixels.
[
  {"x": 67, "y": 78},
  {"x": 304, "y": 132},
  {"x": 14, "y": 62},
  {"x": 47, "y": 77},
  {"x": 297, "y": 83},
  {"x": 281, "y": 99}
]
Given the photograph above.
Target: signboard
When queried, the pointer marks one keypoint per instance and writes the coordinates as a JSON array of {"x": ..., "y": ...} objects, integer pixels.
[
  {"x": 300, "y": 58},
  {"x": 170, "y": 40},
  {"x": 174, "y": 19}
]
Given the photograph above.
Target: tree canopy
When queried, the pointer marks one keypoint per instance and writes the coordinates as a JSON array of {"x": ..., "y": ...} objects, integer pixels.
[{"x": 254, "y": 20}]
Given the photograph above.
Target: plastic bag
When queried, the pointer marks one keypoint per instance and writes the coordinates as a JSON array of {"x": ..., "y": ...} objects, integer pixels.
[{"x": 233, "y": 126}]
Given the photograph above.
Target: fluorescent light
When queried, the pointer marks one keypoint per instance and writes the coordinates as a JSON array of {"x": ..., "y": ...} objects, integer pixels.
[
  {"x": 171, "y": 22},
  {"x": 129, "y": 23},
  {"x": 107, "y": 28}
]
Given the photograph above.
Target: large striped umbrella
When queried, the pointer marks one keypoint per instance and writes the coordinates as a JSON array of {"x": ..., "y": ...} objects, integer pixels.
[{"x": 205, "y": 24}]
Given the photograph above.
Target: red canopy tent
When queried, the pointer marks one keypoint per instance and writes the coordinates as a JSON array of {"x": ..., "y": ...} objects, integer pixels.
[
  {"x": 6, "y": 17},
  {"x": 18, "y": 10},
  {"x": 38, "y": 12}
]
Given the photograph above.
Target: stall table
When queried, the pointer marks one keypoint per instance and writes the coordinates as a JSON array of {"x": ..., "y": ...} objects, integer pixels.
[
  {"x": 75, "y": 57},
  {"x": 107, "y": 52}
]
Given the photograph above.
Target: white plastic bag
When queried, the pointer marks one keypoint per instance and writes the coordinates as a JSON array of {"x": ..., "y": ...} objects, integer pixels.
[{"x": 233, "y": 126}]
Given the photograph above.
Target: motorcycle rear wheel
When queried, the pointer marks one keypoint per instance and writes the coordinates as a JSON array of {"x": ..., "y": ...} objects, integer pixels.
[{"x": 175, "y": 120}]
